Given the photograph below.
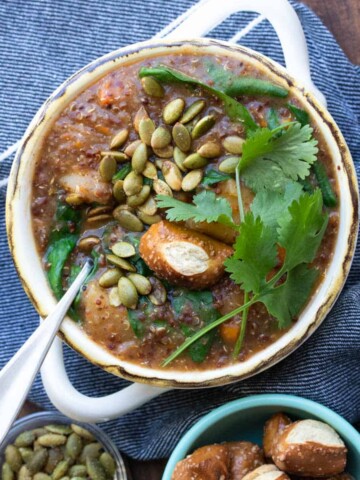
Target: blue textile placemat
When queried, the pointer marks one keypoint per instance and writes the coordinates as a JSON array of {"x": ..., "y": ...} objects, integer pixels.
[{"x": 41, "y": 44}]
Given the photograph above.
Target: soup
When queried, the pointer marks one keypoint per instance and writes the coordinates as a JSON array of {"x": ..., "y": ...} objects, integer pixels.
[{"x": 206, "y": 199}]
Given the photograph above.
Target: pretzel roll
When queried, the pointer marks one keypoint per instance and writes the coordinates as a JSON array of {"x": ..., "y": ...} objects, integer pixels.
[
  {"x": 183, "y": 257},
  {"x": 245, "y": 457},
  {"x": 266, "y": 472},
  {"x": 272, "y": 431},
  {"x": 310, "y": 448}
]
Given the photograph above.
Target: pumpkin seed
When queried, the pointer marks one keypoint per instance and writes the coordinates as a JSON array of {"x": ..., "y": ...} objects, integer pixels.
[
  {"x": 13, "y": 457},
  {"x": 55, "y": 456},
  {"x": 191, "y": 112},
  {"x": 95, "y": 469},
  {"x": 133, "y": 183},
  {"x": 60, "y": 470},
  {"x": 78, "y": 471},
  {"x": 159, "y": 162},
  {"x": 166, "y": 152},
  {"x": 139, "y": 198},
  {"x": 25, "y": 439},
  {"x": 119, "y": 139},
  {"x": 142, "y": 284},
  {"x": 74, "y": 443},
  {"x": 179, "y": 158},
  {"x": 233, "y": 144},
  {"x": 149, "y": 219},
  {"x": 158, "y": 293},
  {"x": 162, "y": 188},
  {"x": 114, "y": 299},
  {"x": 152, "y": 87},
  {"x": 149, "y": 207},
  {"x": 99, "y": 218},
  {"x": 40, "y": 431},
  {"x": 60, "y": 429},
  {"x": 25, "y": 453},
  {"x": 65, "y": 478},
  {"x": 110, "y": 278},
  {"x": 107, "y": 168},
  {"x": 92, "y": 450},
  {"x": 209, "y": 150},
  {"x": 149, "y": 171},
  {"x": 41, "y": 476},
  {"x": 181, "y": 136},
  {"x": 160, "y": 138},
  {"x": 128, "y": 220},
  {"x": 123, "y": 249},
  {"x": 24, "y": 473},
  {"x": 37, "y": 446},
  {"x": 140, "y": 114},
  {"x": 118, "y": 191},
  {"x": 120, "y": 262},
  {"x": 139, "y": 158},
  {"x": 195, "y": 160},
  {"x": 108, "y": 464},
  {"x": 77, "y": 478},
  {"x": 192, "y": 180},
  {"x": 52, "y": 440},
  {"x": 146, "y": 129},
  {"x": 127, "y": 293},
  {"x": 117, "y": 156},
  {"x": 93, "y": 212},
  {"x": 74, "y": 199},
  {"x": 7, "y": 472},
  {"x": 203, "y": 126},
  {"x": 130, "y": 149},
  {"x": 229, "y": 164},
  {"x": 172, "y": 175},
  {"x": 37, "y": 461},
  {"x": 173, "y": 110}
]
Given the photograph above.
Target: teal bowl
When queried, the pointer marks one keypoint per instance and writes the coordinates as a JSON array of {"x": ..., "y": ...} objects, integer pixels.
[{"x": 244, "y": 420}]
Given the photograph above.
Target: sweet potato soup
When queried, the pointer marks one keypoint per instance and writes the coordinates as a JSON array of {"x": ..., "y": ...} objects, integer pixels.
[{"x": 207, "y": 200}]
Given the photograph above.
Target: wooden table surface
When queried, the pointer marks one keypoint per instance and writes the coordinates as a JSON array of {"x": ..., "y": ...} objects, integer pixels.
[{"x": 343, "y": 20}]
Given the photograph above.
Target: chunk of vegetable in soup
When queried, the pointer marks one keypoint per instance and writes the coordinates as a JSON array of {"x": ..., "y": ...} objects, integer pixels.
[{"x": 206, "y": 196}]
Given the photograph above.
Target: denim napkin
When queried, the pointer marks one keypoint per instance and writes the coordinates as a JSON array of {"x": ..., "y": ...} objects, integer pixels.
[{"x": 44, "y": 42}]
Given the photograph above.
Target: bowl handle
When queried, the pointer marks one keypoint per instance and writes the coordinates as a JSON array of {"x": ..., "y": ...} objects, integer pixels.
[
  {"x": 280, "y": 14},
  {"x": 79, "y": 407},
  {"x": 203, "y": 17}
]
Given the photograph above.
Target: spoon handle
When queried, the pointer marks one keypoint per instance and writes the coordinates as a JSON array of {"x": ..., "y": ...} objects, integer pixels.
[{"x": 18, "y": 374}]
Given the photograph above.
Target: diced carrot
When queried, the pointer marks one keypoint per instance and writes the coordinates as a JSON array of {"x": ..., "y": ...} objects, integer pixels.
[
  {"x": 229, "y": 332},
  {"x": 102, "y": 129}
]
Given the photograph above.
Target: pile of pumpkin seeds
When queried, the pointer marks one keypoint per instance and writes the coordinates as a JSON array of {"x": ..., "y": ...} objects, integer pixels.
[
  {"x": 160, "y": 162},
  {"x": 57, "y": 452}
]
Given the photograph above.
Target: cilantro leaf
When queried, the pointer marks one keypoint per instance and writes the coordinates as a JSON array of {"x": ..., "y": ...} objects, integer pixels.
[
  {"x": 286, "y": 301},
  {"x": 269, "y": 161},
  {"x": 255, "y": 254},
  {"x": 302, "y": 232},
  {"x": 270, "y": 205},
  {"x": 206, "y": 208},
  {"x": 235, "y": 110}
]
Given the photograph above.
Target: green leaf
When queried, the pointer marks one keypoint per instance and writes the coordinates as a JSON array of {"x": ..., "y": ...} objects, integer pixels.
[
  {"x": 236, "y": 85},
  {"x": 286, "y": 301},
  {"x": 271, "y": 205},
  {"x": 202, "y": 306},
  {"x": 136, "y": 260},
  {"x": 206, "y": 208},
  {"x": 272, "y": 119},
  {"x": 235, "y": 110},
  {"x": 212, "y": 177},
  {"x": 301, "y": 115},
  {"x": 121, "y": 174},
  {"x": 56, "y": 255},
  {"x": 254, "y": 256},
  {"x": 145, "y": 308},
  {"x": 269, "y": 161},
  {"x": 302, "y": 228}
]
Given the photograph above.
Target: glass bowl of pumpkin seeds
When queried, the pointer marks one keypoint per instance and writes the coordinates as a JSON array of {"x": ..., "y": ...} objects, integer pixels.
[{"x": 49, "y": 446}]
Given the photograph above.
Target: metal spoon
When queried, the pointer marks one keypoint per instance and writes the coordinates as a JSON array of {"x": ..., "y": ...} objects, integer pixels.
[{"x": 18, "y": 374}]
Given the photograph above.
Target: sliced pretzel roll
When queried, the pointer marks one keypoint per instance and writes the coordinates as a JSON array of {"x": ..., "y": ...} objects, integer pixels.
[
  {"x": 245, "y": 457},
  {"x": 310, "y": 448},
  {"x": 183, "y": 257},
  {"x": 272, "y": 431},
  {"x": 266, "y": 472},
  {"x": 211, "y": 463}
]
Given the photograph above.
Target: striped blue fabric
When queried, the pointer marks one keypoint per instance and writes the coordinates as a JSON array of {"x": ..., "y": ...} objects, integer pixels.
[{"x": 41, "y": 44}]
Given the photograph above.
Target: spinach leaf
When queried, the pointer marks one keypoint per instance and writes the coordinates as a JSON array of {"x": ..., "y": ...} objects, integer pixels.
[
  {"x": 145, "y": 307},
  {"x": 213, "y": 176},
  {"x": 56, "y": 255},
  {"x": 301, "y": 116},
  {"x": 272, "y": 119},
  {"x": 136, "y": 260},
  {"x": 121, "y": 174},
  {"x": 202, "y": 305}
]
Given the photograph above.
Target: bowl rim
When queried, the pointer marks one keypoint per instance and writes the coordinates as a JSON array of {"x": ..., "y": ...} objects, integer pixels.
[
  {"x": 21, "y": 424},
  {"x": 346, "y": 431},
  {"x": 175, "y": 378}
]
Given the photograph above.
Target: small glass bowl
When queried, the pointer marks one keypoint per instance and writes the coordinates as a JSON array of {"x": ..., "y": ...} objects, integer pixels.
[{"x": 41, "y": 419}]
